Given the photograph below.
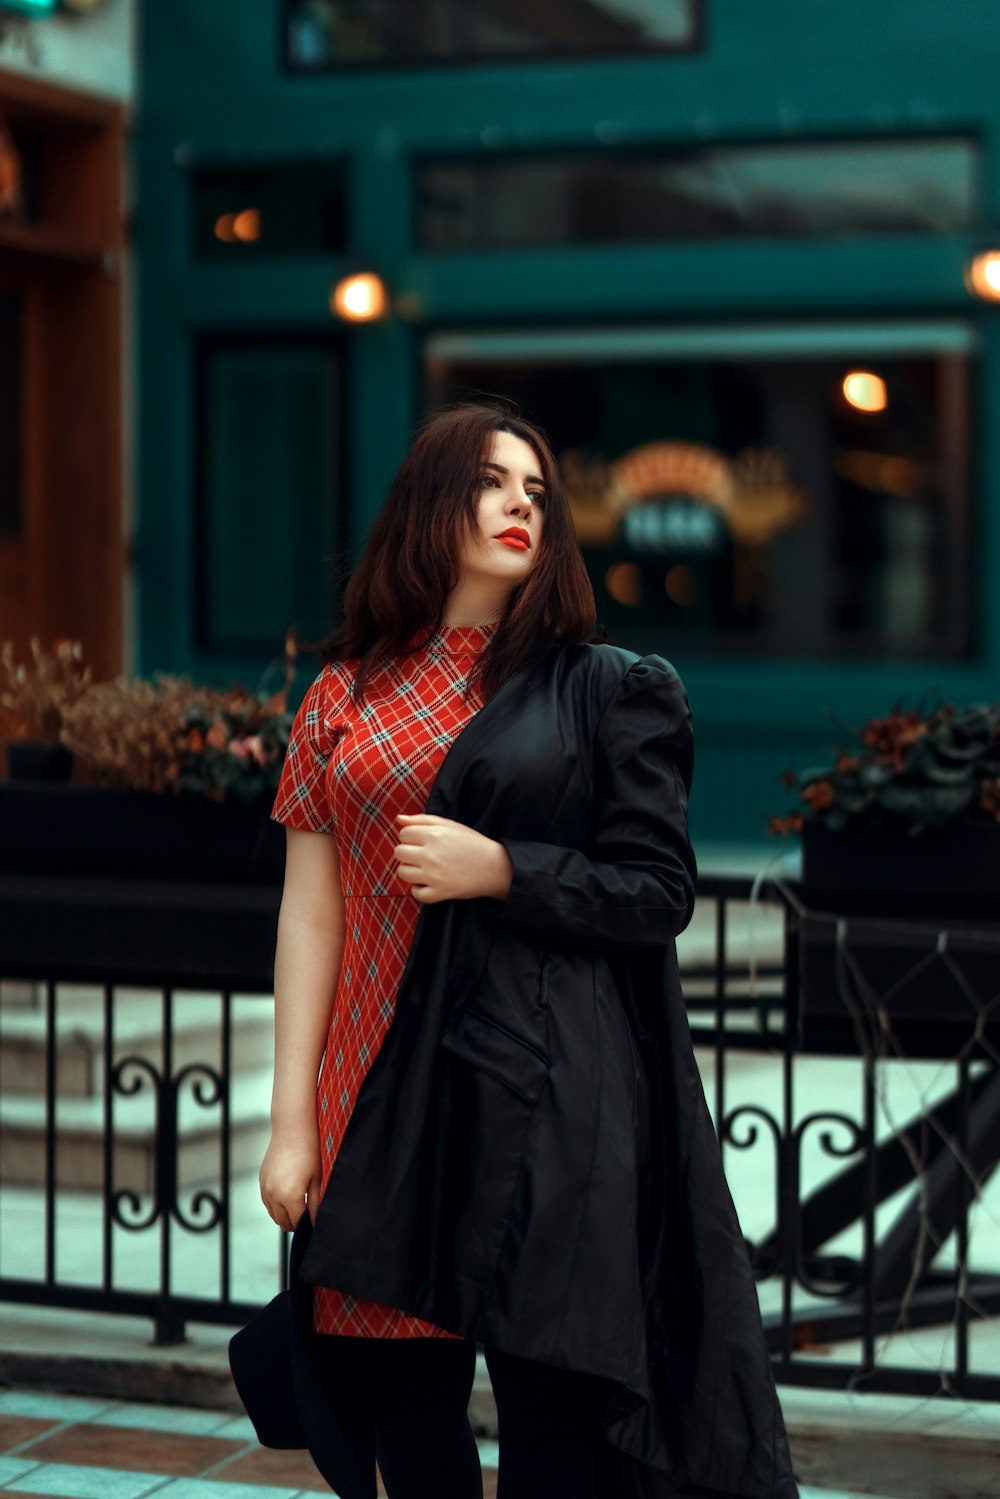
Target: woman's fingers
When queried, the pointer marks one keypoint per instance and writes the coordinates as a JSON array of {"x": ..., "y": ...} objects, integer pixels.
[
  {"x": 283, "y": 1212},
  {"x": 274, "y": 1211},
  {"x": 289, "y": 1173}
]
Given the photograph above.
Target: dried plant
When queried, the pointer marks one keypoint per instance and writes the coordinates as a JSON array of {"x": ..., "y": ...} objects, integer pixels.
[
  {"x": 169, "y": 734},
  {"x": 161, "y": 734},
  {"x": 35, "y": 696},
  {"x": 132, "y": 733}
]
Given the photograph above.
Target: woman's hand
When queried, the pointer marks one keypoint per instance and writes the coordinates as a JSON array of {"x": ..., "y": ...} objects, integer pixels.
[
  {"x": 290, "y": 1175},
  {"x": 445, "y": 860}
]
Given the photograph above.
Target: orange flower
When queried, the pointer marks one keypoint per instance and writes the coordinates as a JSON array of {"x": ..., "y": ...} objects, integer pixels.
[
  {"x": 819, "y": 794},
  {"x": 780, "y": 827},
  {"x": 216, "y": 736},
  {"x": 891, "y": 736}
]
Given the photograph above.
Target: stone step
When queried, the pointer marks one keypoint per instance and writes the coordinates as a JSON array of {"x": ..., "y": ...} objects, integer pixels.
[
  {"x": 137, "y": 1025},
  {"x": 79, "y": 1156}
]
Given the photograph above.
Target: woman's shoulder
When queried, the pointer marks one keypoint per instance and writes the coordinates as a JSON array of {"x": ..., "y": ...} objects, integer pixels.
[
  {"x": 609, "y": 665},
  {"x": 328, "y": 695}
]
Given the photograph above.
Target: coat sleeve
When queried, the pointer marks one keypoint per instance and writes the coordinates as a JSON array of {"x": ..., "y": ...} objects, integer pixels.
[{"x": 634, "y": 887}]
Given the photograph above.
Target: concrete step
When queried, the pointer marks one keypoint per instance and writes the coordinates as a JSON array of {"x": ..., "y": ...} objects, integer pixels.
[
  {"x": 80, "y": 1135},
  {"x": 137, "y": 1027}
]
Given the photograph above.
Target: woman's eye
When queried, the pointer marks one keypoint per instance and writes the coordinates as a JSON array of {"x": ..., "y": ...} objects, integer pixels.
[
  {"x": 489, "y": 479},
  {"x": 537, "y": 499}
]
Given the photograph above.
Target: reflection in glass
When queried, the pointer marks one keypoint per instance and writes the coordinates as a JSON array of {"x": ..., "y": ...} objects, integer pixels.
[
  {"x": 287, "y": 208},
  {"x": 862, "y": 187},
  {"x": 354, "y": 33},
  {"x": 743, "y": 505}
]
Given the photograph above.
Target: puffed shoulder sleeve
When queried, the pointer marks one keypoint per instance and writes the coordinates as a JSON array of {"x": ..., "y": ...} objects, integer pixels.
[
  {"x": 634, "y": 886},
  {"x": 303, "y": 796}
]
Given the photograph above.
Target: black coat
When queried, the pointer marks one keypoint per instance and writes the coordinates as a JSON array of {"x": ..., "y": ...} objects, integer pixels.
[{"x": 531, "y": 1161}]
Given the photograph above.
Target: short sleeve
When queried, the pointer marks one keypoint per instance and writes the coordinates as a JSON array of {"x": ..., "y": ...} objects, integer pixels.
[{"x": 303, "y": 797}]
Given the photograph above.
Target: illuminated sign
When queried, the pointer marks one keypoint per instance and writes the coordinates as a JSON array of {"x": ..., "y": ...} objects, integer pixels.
[
  {"x": 29, "y": 7},
  {"x": 751, "y": 497}
]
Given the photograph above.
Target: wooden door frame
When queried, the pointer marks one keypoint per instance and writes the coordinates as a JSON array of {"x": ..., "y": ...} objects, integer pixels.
[{"x": 67, "y": 568}]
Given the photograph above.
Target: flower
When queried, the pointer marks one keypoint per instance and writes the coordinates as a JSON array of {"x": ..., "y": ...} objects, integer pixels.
[
  {"x": 912, "y": 770},
  {"x": 818, "y": 794}
]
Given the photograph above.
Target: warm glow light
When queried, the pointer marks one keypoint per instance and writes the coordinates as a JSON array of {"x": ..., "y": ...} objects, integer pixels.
[
  {"x": 359, "y": 299},
  {"x": 681, "y": 585},
  {"x": 246, "y": 225},
  {"x": 865, "y": 391},
  {"x": 982, "y": 276},
  {"x": 623, "y": 581},
  {"x": 225, "y": 228}
]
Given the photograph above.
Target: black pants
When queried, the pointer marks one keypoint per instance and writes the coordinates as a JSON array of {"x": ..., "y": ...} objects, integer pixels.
[
  {"x": 418, "y": 1390},
  {"x": 550, "y": 1429}
]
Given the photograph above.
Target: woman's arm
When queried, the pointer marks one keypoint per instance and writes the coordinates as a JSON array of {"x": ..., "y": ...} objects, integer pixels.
[
  {"x": 307, "y": 962},
  {"x": 635, "y": 886}
]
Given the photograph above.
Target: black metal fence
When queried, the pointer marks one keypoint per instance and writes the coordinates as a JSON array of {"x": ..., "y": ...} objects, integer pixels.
[{"x": 850, "y": 1065}]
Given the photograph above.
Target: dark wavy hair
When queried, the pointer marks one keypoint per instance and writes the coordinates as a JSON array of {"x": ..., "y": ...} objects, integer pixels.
[{"x": 411, "y": 561}]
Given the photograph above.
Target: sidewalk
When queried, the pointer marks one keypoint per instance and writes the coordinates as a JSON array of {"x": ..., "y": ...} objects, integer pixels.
[
  {"x": 90, "y": 1449},
  {"x": 192, "y": 1437}
]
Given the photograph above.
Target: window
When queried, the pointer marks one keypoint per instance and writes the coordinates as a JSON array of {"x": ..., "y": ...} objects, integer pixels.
[
  {"x": 268, "y": 516},
  {"x": 322, "y": 34},
  {"x": 773, "y": 493},
  {"x": 728, "y": 192},
  {"x": 289, "y": 208}
]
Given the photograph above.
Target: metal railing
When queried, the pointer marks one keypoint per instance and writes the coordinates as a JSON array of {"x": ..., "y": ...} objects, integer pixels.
[{"x": 866, "y": 1208}]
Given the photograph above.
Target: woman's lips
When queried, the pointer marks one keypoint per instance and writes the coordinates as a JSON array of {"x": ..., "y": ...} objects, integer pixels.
[{"x": 514, "y": 541}]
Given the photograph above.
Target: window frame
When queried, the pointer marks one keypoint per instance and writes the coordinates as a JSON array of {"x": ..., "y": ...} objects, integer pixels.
[{"x": 689, "y": 47}]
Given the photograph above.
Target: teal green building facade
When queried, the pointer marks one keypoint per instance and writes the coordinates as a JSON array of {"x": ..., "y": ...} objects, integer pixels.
[{"x": 676, "y": 259}]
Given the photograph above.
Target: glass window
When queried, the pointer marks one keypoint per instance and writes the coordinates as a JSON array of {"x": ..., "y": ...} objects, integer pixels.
[
  {"x": 793, "y": 494},
  {"x": 268, "y": 492},
  {"x": 322, "y": 34},
  {"x": 11, "y": 416},
  {"x": 866, "y": 187},
  {"x": 291, "y": 208}
]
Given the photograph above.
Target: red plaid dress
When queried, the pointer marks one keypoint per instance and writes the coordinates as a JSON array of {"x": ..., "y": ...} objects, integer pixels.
[{"x": 348, "y": 771}]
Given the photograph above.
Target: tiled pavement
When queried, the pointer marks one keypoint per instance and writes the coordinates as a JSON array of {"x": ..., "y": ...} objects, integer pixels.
[
  {"x": 90, "y": 1449},
  {"x": 66, "y": 1446}
]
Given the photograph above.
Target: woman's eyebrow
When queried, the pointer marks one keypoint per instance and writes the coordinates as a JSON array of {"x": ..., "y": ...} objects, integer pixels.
[{"x": 528, "y": 478}]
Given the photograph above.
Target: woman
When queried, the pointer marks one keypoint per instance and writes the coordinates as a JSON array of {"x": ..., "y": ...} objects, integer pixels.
[{"x": 489, "y": 1000}]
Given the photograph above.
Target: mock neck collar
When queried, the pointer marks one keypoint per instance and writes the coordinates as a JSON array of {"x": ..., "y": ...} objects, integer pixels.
[{"x": 456, "y": 640}]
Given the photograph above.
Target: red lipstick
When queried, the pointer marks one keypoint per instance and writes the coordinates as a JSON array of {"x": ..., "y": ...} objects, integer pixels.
[{"x": 516, "y": 536}]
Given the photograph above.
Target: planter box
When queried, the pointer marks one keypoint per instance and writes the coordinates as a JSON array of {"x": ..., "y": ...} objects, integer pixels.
[
  {"x": 898, "y": 894},
  {"x": 83, "y": 830},
  {"x": 949, "y": 871}
]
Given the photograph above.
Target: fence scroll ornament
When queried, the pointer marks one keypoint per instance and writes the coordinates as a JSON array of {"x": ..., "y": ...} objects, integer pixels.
[
  {"x": 205, "y": 1210},
  {"x": 905, "y": 996}
]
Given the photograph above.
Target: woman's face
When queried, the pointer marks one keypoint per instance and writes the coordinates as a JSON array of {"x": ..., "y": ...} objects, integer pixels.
[{"x": 511, "y": 497}]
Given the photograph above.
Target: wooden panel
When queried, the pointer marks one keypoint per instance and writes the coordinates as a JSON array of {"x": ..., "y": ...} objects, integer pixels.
[{"x": 64, "y": 575}]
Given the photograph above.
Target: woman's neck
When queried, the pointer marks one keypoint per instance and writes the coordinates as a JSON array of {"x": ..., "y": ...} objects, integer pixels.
[{"x": 472, "y": 603}]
